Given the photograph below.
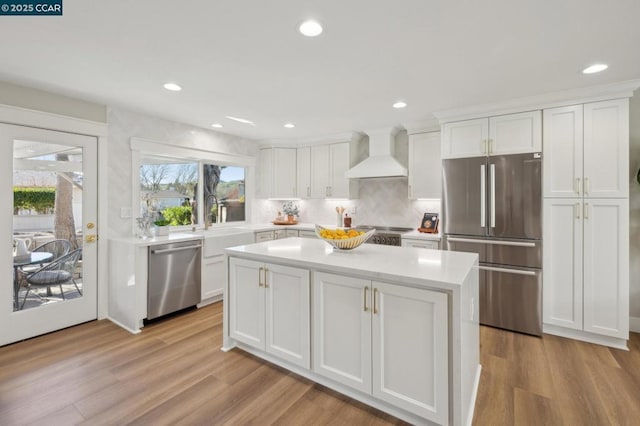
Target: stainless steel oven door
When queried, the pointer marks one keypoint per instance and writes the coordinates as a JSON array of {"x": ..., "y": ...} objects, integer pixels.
[{"x": 511, "y": 298}]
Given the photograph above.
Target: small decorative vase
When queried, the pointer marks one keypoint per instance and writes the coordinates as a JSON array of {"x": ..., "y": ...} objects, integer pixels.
[{"x": 291, "y": 218}]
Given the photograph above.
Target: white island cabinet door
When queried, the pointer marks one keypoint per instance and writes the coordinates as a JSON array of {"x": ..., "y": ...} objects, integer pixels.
[
  {"x": 342, "y": 329},
  {"x": 287, "y": 314},
  {"x": 410, "y": 350},
  {"x": 246, "y": 299},
  {"x": 606, "y": 267}
]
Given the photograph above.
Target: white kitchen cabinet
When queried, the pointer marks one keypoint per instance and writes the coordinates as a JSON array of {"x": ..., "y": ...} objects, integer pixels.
[
  {"x": 504, "y": 134},
  {"x": 586, "y": 150},
  {"x": 279, "y": 234},
  {"x": 307, "y": 234},
  {"x": 425, "y": 166},
  {"x": 277, "y": 173},
  {"x": 606, "y": 267},
  {"x": 213, "y": 276},
  {"x": 342, "y": 329},
  {"x": 328, "y": 164},
  {"x": 303, "y": 164},
  {"x": 264, "y": 236},
  {"x": 319, "y": 171},
  {"x": 606, "y": 149},
  {"x": 340, "y": 186},
  {"x": 563, "y": 152},
  {"x": 585, "y": 265},
  {"x": 386, "y": 340},
  {"x": 292, "y": 233},
  {"x": 270, "y": 309},
  {"x": 410, "y": 349},
  {"x": 421, "y": 243}
]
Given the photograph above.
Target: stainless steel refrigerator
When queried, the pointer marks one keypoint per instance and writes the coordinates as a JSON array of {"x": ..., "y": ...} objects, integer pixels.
[{"x": 493, "y": 206}]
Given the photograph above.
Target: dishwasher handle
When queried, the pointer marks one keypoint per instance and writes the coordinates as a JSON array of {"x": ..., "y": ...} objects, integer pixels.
[{"x": 173, "y": 250}]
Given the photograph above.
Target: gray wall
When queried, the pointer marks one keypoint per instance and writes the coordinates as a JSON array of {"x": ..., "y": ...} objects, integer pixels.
[
  {"x": 634, "y": 208},
  {"x": 40, "y": 100}
]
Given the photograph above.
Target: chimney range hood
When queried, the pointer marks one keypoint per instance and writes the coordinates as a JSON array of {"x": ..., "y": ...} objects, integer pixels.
[{"x": 380, "y": 163}]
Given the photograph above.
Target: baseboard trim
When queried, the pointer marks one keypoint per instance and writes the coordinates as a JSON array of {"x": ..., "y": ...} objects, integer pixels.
[
  {"x": 119, "y": 324},
  {"x": 612, "y": 342},
  {"x": 634, "y": 324}
]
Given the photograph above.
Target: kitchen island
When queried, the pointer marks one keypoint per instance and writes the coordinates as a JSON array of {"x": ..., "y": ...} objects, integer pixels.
[{"x": 393, "y": 327}]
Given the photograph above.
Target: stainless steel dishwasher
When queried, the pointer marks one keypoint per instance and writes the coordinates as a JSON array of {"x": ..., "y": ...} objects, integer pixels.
[{"x": 174, "y": 277}]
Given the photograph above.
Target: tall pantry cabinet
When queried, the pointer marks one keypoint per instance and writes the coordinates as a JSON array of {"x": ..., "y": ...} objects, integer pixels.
[{"x": 586, "y": 221}]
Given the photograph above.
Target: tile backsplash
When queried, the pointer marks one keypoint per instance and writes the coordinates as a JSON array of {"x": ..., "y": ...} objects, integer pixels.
[{"x": 381, "y": 202}]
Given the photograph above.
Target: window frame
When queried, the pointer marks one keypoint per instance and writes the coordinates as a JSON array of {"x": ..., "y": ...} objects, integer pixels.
[{"x": 144, "y": 147}]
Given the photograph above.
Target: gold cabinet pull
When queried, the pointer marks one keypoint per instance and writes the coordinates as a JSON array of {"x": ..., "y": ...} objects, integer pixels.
[
  {"x": 577, "y": 187},
  {"x": 375, "y": 293},
  {"x": 266, "y": 284},
  {"x": 484, "y": 146},
  {"x": 490, "y": 146},
  {"x": 586, "y": 210},
  {"x": 366, "y": 288},
  {"x": 577, "y": 210},
  {"x": 586, "y": 186},
  {"x": 260, "y": 277}
]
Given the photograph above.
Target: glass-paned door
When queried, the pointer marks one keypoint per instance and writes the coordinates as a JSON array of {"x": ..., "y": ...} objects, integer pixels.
[{"x": 49, "y": 254}]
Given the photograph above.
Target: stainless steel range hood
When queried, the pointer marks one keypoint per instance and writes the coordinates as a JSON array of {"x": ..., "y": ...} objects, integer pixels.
[{"x": 381, "y": 162}]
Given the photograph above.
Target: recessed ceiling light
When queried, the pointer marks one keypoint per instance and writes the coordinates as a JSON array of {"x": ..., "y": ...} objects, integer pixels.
[
  {"x": 310, "y": 28},
  {"x": 595, "y": 68},
  {"x": 289, "y": 125},
  {"x": 173, "y": 87},
  {"x": 216, "y": 125},
  {"x": 400, "y": 104},
  {"x": 241, "y": 120}
]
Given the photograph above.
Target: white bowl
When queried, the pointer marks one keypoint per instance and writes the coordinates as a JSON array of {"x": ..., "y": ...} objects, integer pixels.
[{"x": 349, "y": 243}]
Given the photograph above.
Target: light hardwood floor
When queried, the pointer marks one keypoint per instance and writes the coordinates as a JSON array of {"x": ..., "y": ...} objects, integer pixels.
[{"x": 174, "y": 373}]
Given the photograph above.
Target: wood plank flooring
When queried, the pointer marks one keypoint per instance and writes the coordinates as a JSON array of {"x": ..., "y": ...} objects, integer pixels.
[{"x": 174, "y": 373}]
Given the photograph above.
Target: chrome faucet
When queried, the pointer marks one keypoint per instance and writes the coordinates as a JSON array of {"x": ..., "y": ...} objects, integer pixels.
[{"x": 207, "y": 210}]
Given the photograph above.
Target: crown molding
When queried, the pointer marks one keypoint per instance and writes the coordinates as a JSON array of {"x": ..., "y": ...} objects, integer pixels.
[
  {"x": 623, "y": 89},
  {"x": 315, "y": 140},
  {"x": 422, "y": 126}
]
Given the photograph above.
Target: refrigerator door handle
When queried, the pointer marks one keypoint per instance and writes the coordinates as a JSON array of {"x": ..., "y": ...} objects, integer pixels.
[
  {"x": 507, "y": 270},
  {"x": 492, "y": 171},
  {"x": 483, "y": 197},
  {"x": 492, "y": 242}
]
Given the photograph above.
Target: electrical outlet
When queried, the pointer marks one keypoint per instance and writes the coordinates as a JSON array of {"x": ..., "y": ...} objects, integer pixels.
[{"x": 354, "y": 210}]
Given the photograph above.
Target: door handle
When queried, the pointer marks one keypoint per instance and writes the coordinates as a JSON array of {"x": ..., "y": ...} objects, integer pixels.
[
  {"x": 92, "y": 239},
  {"x": 375, "y": 294},
  {"x": 493, "y": 194},
  {"x": 366, "y": 288},
  {"x": 508, "y": 271},
  {"x": 483, "y": 196},
  {"x": 91, "y": 225},
  {"x": 260, "y": 277},
  {"x": 171, "y": 250},
  {"x": 586, "y": 186},
  {"x": 492, "y": 242}
]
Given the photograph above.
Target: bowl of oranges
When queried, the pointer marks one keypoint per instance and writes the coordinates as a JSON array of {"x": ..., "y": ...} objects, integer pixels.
[{"x": 343, "y": 239}]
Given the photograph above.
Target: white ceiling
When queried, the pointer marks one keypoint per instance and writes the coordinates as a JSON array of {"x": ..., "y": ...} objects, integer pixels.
[{"x": 246, "y": 59}]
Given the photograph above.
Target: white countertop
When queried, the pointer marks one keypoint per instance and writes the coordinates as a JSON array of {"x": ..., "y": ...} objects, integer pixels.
[
  {"x": 419, "y": 267},
  {"x": 174, "y": 237}
]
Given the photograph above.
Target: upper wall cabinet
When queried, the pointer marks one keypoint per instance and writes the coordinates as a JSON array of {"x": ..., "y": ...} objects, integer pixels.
[
  {"x": 586, "y": 150},
  {"x": 504, "y": 134},
  {"x": 321, "y": 170},
  {"x": 425, "y": 165},
  {"x": 277, "y": 173}
]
